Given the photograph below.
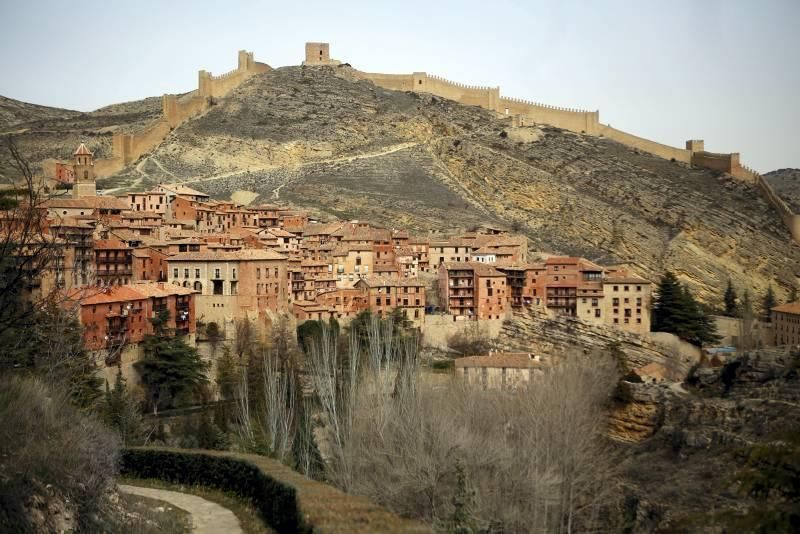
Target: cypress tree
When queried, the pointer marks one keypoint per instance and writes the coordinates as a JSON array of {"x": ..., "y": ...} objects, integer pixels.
[
  {"x": 731, "y": 308},
  {"x": 768, "y": 303}
]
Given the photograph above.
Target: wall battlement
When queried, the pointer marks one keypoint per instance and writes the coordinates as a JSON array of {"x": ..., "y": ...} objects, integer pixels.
[
  {"x": 128, "y": 147},
  {"x": 526, "y": 112}
]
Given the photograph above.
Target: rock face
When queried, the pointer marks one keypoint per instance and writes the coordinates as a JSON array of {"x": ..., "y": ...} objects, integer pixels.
[
  {"x": 683, "y": 476},
  {"x": 535, "y": 331},
  {"x": 321, "y": 139}
]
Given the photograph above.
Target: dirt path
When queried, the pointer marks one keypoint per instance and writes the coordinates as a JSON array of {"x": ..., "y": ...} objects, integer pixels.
[{"x": 207, "y": 517}]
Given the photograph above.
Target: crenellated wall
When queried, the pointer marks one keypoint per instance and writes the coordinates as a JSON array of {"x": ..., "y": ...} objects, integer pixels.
[
  {"x": 574, "y": 120},
  {"x": 720, "y": 162},
  {"x": 128, "y": 147},
  {"x": 651, "y": 147}
]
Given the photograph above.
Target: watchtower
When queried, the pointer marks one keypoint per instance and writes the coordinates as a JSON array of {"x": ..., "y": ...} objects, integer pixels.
[{"x": 83, "y": 167}]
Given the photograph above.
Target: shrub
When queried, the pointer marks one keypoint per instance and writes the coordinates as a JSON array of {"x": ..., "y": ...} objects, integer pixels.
[
  {"x": 275, "y": 501},
  {"x": 51, "y": 454}
]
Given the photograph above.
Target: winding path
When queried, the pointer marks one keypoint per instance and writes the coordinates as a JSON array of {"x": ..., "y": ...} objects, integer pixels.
[{"x": 207, "y": 517}]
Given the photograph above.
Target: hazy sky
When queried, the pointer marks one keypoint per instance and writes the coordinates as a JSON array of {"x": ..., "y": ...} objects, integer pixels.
[{"x": 724, "y": 71}]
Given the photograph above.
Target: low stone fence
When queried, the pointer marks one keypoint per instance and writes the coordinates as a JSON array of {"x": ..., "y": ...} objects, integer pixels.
[{"x": 286, "y": 500}]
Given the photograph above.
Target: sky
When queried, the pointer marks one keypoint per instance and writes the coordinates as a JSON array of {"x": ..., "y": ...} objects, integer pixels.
[{"x": 727, "y": 71}]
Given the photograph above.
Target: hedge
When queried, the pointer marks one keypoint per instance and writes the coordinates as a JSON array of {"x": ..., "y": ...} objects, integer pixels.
[{"x": 286, "y": 500}]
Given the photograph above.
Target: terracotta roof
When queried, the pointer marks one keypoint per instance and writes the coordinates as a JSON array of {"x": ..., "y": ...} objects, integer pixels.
[
  {"x": 109, "y": 294},
  {"x": 82, "y": 151},
  {"x": 245, "y": 254},
  {"x": 562, "y": 260},
  {"x": 480, "y": 269},
  {"x": 517, "y": 360},
  {"x": 98, "y": 202},
  {"x": 160, "y": 289},
  {"x": 791, "y": 307},
  {"x": 109, "y": 244}
]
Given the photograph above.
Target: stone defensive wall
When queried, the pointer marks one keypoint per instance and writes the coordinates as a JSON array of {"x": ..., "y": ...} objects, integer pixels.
[
  {"x": 524, "y": 112},
  {"x": 127, "y": 148},
  {"x": 652, "y": 147},
  {"x": 574, "y": 120}
]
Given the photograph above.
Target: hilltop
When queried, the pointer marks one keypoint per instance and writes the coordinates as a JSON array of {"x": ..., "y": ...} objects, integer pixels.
[{"x": 323, "y": 139}]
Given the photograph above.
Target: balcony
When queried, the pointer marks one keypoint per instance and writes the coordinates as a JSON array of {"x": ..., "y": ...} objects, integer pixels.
[{"x": 113, "y": 272}]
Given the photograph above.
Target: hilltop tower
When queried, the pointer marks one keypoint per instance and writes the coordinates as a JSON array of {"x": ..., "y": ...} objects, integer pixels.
[
  {"x": 319, "y": 54},
  {"x": 83, "y": 168}
]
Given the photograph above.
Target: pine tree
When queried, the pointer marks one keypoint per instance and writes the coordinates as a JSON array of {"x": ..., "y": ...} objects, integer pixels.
[
  {"x": 768, "y": 303},
  {"x": 121, "y": 412},
  {"x": 731, "y": 307},
  {"x": 675, "y": 310},
  {"x": 227, "y": 374},
  {"x": 170, "y": 368}
]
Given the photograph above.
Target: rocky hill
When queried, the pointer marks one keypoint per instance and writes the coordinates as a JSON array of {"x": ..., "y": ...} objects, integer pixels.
[
  {"x": 41, "y": 132},
  {"x": 707, "y": 443},
  {"x": 321, "y": 139},
  {"x": 787, "y": 184}
]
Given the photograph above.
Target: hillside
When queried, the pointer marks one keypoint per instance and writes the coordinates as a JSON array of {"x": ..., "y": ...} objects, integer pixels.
[
  {"x": 14, "y": 112},
  {"x": 41, "y": 132},
  {"x": 787, "y": 184},
  {"x": 319, "y": 138}
]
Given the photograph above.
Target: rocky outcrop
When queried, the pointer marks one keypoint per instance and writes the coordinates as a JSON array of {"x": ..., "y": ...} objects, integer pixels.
[
  {"x": 534, "y": 330},
  {"x": 682, "y": 478}
]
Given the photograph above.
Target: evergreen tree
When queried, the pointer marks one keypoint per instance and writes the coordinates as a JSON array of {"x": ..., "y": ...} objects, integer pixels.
[
  {"x": 793, "y": 294},
  {"x": 675, "y": 310},
  {"x": 731, "y": 308},
  {"x": 768, "y": 303},
  {"x": 170, "y": 368},
  {"x": 121, "y": 412},
  {"x": 227, "y": 374}
]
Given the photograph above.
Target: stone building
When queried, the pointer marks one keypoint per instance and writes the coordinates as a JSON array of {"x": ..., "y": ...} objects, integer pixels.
[
  {"x": 472, "y": 291},
  {"x": 385, "y": 295},
  {"x": 119, "y": 315},
  {"x": 500, "y": 370},
  {"x": 230, "y": 285},
  {"x": 786, "y": 322}
]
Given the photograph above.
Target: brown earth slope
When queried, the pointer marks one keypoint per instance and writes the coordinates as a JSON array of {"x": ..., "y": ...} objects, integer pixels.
[{"x": 320, "y": 139}]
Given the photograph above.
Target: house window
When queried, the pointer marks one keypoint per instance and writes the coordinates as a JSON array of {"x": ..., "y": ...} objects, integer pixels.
[
  {"x": 197, "y": 273},
  {"x": 616, "y": 288},
  {"x": 258, "y": 273},
  {"x": 216, "y": 273},
  {"x": 186, "y": 273},
  {"x": 175, "y": 273},
  {"x": 234, "y": 272},
  {"x": 638, "y": 288},
  {"x": 597, "y": 312},
  {"x": 626, "y": 288},
  {"x": 234, "y": 288},
  {"x": 615, "y": 302}
]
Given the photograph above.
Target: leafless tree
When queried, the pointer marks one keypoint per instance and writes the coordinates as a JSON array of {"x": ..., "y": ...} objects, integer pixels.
[{"x": 26, "y": 249}]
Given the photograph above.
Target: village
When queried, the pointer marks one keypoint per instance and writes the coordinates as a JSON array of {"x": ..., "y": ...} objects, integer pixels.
[{"x": 120, "y": 260}]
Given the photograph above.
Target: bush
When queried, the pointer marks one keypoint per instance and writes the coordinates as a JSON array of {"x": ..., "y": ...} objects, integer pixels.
[
  {"x": 287, "y": 501},
  {"x": 53, "y": 456},
  {"x": 276, "y": 502}
]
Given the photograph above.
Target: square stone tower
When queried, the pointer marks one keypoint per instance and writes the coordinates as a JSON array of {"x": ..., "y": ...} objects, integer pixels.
[{"x": 318, "y": 54}]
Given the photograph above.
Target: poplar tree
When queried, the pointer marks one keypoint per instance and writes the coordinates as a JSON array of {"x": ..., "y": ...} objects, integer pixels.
[{"x": 731, "y": 308}]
